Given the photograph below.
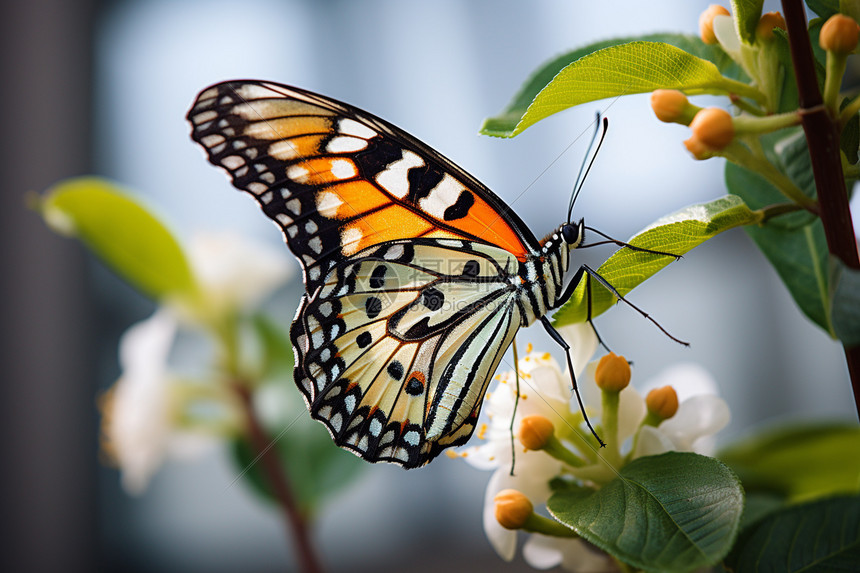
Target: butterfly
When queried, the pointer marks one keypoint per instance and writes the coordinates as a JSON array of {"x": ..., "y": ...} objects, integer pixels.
[{"x": 417, "y": 276}]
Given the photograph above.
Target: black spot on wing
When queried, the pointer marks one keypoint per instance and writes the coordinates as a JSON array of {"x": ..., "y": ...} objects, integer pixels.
[{"x": 460, "y": 208}]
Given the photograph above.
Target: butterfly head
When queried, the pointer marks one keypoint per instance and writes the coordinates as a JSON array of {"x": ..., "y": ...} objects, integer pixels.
[{"x": 573, "y": 233}]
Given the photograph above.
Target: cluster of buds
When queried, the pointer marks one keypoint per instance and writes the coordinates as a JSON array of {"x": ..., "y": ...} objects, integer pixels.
[{"x": 714, "y": 129}]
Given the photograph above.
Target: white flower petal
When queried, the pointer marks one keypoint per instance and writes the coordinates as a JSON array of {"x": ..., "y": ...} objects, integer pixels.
[
  {"x": 137, "y": 425},
  {"x": 543, "y": 552},
  {"x": 652, "y": 442},
  {"x": 631, "y": 412},
  {"x": 504, "y": 541},
  {"x": 697, "y": 417},
  {"x": 583, "y": 343},
  {"x": 235, "y": 272},
  {"x": 727, "y": 36},
  {"x": 687, "y": 378}
]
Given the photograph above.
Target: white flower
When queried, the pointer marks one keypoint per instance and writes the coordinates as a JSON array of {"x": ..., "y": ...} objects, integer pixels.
[
  {"x": 545, "y": 391},
  {"x": 701, "y": 414},
  {"x": 235, "y": 273},
  {"x": 136, "y": 422},
  {"x": 151, "y": 413}
]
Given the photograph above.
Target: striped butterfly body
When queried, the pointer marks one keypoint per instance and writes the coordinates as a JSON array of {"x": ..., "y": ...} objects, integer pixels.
[{"x": 417, "y": 276}]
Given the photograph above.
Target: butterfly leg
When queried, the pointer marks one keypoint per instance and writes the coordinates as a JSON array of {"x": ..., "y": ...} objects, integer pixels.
[
  {"x": 585, "y": 269},
  {"x": 554, "y": 334},
  {"x": 627, "y": 245}
]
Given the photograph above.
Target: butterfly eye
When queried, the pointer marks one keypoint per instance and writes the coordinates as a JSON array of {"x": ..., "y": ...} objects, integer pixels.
[{"x": 571, "y": 234}]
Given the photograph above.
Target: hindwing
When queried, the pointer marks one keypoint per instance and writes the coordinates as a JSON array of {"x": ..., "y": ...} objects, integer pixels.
[{"x": 396, "y": 347}]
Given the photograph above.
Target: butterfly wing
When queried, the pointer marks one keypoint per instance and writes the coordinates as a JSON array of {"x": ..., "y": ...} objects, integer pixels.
[
  {"x": 337, "y": 179},
  {"x": 397, "y": 346},
  {"x": 394, "y": 374}
]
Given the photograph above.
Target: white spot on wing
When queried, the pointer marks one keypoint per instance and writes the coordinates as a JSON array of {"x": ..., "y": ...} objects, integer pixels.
[
  {"x": 441, "y": 197},
  {"x": 393, "y": 252},
  {"x": 233, "y": 162},
  {"x": 328, "y": 203},
  {"x": 343, "y": 169},
  {"x": 349, "y": 126},
  {"x": 394, "y": 177},
  {"x": 411, "y": 437},
  {"x": 344, "y": 144}
]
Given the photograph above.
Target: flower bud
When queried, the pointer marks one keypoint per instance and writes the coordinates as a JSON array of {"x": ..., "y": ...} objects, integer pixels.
[
  {"x": 662, "y": 402},
  {"x": 698, "y": 149},
  {"x": 512, "y": 509},
  {"x": 706, "y": 22},
  {"x": 839, "y": 34},
  {"x": 612, "y": 373},
  {"x": 713, "y": 127},
  {"x": 769, "y": 21},
  {"x": 535, "y": 432},
  {"x": 669, "y": 105}
]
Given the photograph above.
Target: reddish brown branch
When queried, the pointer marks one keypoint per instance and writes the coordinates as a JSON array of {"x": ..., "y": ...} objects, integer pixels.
[
  {"x": 263, "y": 446},
  {"x": 822, "y": 134}
]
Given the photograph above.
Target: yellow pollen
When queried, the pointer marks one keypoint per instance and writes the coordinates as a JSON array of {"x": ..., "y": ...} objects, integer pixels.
[
  {"x": 529, "y": 348},
  {"x": 482, "y": 431},
  {"x": 546, "y": 356}
]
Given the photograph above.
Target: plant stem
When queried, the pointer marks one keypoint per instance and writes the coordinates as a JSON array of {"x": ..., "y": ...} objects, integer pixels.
[
  {"x": 822, "y": 136},
  {"x": 262, "y": 445}
]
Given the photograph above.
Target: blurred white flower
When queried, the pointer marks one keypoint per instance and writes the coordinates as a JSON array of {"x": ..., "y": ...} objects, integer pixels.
[
  {"x": 235, "y": 273},
  {"x": 152, "y": 413}
]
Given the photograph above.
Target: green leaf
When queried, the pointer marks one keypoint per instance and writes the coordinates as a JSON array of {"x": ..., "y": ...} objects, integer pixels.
[
  {"x": 758, "y": 506},
  {"x": 794, "y": 244},
  {"x": 122, "y": 233},
  {"x": 799, "y": 462},
  {"x": 824, "y": 8},
  {"x": 507, "y": 120},
  {"x": 672, "y": 512},
  {"x": 845, "y": 303},
  {"x": 677, "y": 233},
  {"x": 747, "y": 13},
  {"x": 623, "y": 69},
  {"x": 315, "y": 466},
  {"x": 820, "y": 536}
]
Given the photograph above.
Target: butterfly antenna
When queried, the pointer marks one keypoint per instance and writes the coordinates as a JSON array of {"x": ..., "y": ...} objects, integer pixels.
[{"x": 585, "y": 168}]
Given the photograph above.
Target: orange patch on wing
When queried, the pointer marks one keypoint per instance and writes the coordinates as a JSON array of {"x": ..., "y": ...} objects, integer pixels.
[
  {"x": 321, "y": 170},
  {"x": 389, "y": 224},
  {"x": 296, "y": 147},
  {"x": 347, "y": 200},
  {"x": 488, "y": 225},
  {"x": 284, "y": 127}
]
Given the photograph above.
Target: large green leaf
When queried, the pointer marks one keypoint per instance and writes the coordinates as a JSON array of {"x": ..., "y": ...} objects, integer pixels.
[
  {"x": 794, "y": 244},
  {"x": 845, "y": 303},
  {"x": 672, "y": 512},
  {"x": 820, "y": 536},
  {"x": 623, "y": 69},
  {"x": 507, "y": 120},
  {"x": 676, "y": 233},
  {"x": 124, "y": 234},
  {"x": 799, "y": 462}
]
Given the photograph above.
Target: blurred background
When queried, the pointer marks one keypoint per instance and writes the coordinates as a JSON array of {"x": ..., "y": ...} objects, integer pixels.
[{"x": 102, "y": 87}]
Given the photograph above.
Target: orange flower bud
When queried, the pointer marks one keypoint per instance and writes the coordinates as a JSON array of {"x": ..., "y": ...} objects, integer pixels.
[
  {"x": 839, "y": 34},
  {"x": 512, "y": 508},
  {"x": 768, "y": 22},
  {"x": 706, "y": 22},
  {"x": 697, "y": 148},
  {"x": 713, "y": 127},
  {"x": 535, "y": 431},
  {"x": 662, "y": 402},
  {"x": 669, "y": 105},
  {"x": 613, "y": 373}
]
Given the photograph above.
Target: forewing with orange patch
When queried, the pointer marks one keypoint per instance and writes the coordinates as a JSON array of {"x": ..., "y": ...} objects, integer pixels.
[{"x": 338, "y": 180}]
